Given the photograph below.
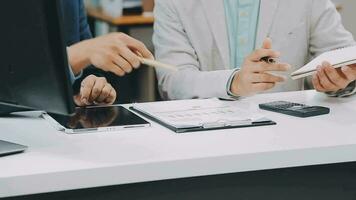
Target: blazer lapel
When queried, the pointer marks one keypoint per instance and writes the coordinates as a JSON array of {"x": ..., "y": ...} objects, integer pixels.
[
  {"x": 215, "y": 14},
  {"x": 268, "y": 14}
]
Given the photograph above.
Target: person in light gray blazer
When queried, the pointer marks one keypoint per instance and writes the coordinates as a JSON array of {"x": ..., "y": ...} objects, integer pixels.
[{"x": 193, "y": 35}]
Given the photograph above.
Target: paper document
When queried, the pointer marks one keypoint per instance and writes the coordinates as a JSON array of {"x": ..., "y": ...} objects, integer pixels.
[
  {"x": 207, "y": 113},
  {"x": 336, "y": 58}
]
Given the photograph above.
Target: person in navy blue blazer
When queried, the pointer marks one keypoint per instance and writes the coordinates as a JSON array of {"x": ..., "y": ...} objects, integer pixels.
[
  {"x": 75, "y": 23},
  {"x": 115, "y": 52}
]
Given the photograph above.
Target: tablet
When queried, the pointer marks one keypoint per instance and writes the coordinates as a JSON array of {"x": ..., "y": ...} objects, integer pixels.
[{"x": 97, "y": 119}]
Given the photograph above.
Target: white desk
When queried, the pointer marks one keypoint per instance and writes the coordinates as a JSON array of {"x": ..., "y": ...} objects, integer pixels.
[{"x": 58, "y": 162}]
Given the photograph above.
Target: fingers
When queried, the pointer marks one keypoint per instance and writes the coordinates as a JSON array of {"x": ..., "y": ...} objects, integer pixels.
[
  {"x": 114, "y": 68},
  {"x": 338, "y": 79},
  {"x": 260, "y": 53},
  {"x": 325, "y": 81},
  {"x": 130, "y": 57},
  {"x": 260, "y": 87},
  {"x": 266, "y": 78},
  {"x": 78, "y": 100},
  {"x": 136, "y": 45},
  {"x": 267, "y": 43},
  {"x": 123, "y": 64},
  {"x": 317, "y": 86},
  {"x": 97, "y": 89},
  {"x": 329, "y": 79},
  {"x": 349, "y": 72},
  {"x": 117, "y": 53},
  {"x": 112, "y": 97},
  {"x": 247, "y": 83},
  {"x": 86, "y": 88},
  {"x": 264, "y": 67},
  {"x": 105, "y": 92}
]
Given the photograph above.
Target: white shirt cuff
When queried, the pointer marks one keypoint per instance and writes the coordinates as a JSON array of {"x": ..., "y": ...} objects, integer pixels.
[
  {"x": 228, "y": 86},
  {"x": 350, "y": 90},
  {"x": 72, "y": 76}
]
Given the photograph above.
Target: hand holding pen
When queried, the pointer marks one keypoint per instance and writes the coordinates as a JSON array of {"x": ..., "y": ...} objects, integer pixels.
[
  {"x": 267, "y": 44},
  {"x": 254, "y": 76}
]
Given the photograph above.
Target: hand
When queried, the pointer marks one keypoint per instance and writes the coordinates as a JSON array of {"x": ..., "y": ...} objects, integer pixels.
[
  {"x": 115, "y": 52},
  {"x": 329, "y": 79},
  {"x": 253, "y": 76},
  {"x": 95, "y": 91}
]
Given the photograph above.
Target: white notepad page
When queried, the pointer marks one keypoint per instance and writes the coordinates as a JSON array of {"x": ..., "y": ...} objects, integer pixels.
[
  {"x": 337, "y": 58},
  {"x": 197, "y": 113}
]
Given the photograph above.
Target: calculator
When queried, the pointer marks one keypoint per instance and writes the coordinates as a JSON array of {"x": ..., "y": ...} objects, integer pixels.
[{"x": 295, "y": 109}]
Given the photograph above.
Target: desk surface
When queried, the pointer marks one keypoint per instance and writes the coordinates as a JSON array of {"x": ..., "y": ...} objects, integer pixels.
[
  {"x": 58, "y": 162},
  {"x": 129, "y": 20}
]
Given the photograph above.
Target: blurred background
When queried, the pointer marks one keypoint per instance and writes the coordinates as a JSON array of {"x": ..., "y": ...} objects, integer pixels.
[
  {"x": 135, "y": 17},
  {"x": 348, "y": 14}
]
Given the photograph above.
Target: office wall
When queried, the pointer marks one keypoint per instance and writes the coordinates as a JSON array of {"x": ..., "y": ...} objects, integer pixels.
[{"x": 349, "y": 15}]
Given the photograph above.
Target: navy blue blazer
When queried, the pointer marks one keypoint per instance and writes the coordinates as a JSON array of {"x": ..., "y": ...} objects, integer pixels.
[{"x": 76, "y": 27}]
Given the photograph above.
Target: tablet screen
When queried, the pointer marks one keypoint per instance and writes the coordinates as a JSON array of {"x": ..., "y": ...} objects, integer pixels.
[{"x": 98, "y": 117}]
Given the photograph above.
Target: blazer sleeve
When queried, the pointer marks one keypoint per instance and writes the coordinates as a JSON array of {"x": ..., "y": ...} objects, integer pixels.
[
  {"x": 85, "y": 33},
  {"x": 328, "y": 33},
  {"x": 173, "y": 46},
  {"x": 83, "y": 22}
]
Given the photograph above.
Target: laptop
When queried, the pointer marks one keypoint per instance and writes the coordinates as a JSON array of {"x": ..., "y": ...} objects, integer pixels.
[{"x": 8, "y": 148}]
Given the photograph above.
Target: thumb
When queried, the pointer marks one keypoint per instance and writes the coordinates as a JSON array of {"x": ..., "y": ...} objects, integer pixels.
[
  {"x": 267, "y": 43},
  {"x": 78, "y": 100}
]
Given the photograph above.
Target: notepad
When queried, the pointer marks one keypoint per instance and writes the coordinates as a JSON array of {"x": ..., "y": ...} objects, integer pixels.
[
  {"x": 197, "y": 115},
  {"x": 337, "y": 58}
]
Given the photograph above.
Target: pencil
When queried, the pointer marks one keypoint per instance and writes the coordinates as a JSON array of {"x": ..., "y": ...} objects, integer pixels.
[{"x": 156, "y": 64}]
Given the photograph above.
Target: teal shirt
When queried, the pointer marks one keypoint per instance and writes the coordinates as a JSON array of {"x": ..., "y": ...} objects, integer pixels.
[{"x": 242, "y": 21}]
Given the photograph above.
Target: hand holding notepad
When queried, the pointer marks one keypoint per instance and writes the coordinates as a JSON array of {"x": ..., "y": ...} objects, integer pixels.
[{"x": 337, "y": 59}]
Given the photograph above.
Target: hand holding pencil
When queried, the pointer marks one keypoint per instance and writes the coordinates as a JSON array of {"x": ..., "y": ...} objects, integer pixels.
[{"x": 156, "y": 64}]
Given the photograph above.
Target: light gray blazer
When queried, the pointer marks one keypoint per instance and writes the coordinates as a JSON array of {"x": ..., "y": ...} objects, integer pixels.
[{"x": 192, "y": 34}]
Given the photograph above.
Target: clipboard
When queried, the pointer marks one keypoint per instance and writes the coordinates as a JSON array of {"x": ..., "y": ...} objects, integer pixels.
[{"x": 159, "y": 111}]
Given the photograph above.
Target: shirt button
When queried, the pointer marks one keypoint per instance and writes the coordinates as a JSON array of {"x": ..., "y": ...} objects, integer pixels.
[
  {"x": 244, "y": 14},
  {"x": 243, "y": 41},
  {"x": 245, "y": 2}
]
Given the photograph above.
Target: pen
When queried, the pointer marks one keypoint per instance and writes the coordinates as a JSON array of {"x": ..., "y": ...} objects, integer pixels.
[{"x": 268, "y": 60}]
